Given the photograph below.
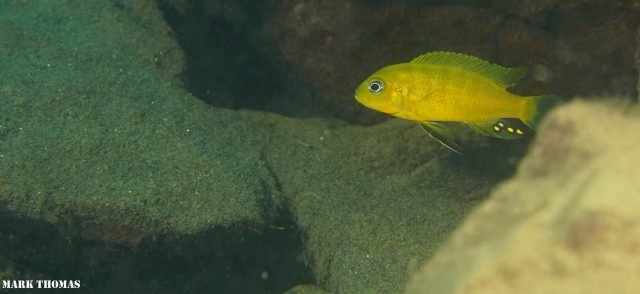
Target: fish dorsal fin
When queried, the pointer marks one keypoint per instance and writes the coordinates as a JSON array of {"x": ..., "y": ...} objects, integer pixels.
[
  {"x": 504, "y": 77},
  {"x": 440, "y": 132},
  {"x": 504, "y": 128}
]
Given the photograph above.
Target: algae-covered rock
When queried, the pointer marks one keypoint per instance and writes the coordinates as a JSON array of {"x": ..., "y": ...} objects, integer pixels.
[
  {"x": 375, "y": 202},
  {"x": 113, "y": 174},
  {"x": 95, "y": 134},
  {"x": 566, "y": 223}
]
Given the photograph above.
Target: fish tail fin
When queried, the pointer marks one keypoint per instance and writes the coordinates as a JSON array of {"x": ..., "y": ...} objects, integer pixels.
[{"x": 537, "y": 107}]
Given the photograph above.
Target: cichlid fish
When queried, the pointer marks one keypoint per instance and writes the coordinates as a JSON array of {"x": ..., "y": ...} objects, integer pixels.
[{"x": 442, "y": 89}]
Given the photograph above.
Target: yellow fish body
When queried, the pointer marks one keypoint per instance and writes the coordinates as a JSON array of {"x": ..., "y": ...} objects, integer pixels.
[{"x": 440, "y": 88}]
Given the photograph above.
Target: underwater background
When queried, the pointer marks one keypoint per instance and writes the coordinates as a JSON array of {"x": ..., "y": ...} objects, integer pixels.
[{"x": 175, "y": 146}]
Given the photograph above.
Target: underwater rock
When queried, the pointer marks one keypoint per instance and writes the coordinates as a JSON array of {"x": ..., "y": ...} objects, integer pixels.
[
  {"x": 567, "y": 222},
  {"x": 374, "y": 202},
  {"x": 97, "y": 135},
  {"x": 115, "y": 175}
]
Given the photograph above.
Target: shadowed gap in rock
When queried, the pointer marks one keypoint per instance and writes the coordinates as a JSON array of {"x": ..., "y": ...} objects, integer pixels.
[{"x": 229, "y": 64}]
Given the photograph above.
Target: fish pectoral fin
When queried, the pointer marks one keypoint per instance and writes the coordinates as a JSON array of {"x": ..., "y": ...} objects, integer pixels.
[
  {"x": 504, "y": 128},
  {"x": 441, "y": 133}
]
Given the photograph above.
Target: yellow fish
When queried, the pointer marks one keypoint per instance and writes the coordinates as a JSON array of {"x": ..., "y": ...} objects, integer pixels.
[{"x": 441, "y": 89}]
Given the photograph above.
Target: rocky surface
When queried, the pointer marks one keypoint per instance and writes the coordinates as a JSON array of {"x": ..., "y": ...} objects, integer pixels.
[
  {"x": 113, "y": 172},
  {"x": 110, "y": 169},
  {"x": 375, "y": 202},
  {"x": 96, "y": 126},
  {"x": 567, "y": 222}
]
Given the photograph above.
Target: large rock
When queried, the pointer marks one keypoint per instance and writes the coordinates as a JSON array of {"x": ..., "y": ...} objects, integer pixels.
[
  {"x": 566, "y": 223},
  {"x": 375, "y": 202},
  {"x": 95, "y": 132}
]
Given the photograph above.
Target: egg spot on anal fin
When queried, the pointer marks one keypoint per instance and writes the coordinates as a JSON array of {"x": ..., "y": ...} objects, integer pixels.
[{"x": 504, "y": 128}]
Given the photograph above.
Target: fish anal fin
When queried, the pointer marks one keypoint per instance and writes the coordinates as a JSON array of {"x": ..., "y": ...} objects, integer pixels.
[
  {"x": 504, "y": 77},
  {"x": 504, "y": 128},
  {"x": 441, "y": 133}
]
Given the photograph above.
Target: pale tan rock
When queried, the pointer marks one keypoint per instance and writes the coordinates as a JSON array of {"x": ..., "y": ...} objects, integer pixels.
[{"x": 567, "y": 222}]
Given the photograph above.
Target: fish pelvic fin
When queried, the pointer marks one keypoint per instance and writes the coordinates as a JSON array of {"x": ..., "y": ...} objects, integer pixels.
[
  {"x": 537, "y": 107},
  {"x": 441, "y": 133}
]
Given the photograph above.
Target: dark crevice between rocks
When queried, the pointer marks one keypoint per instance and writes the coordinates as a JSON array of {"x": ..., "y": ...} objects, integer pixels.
[
  {"x": 230, "y": 65},
  {"x": 241, "y": 259}
]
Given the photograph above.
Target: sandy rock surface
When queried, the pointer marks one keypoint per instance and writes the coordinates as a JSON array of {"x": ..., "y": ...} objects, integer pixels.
[{"x": 567, "y": 222}]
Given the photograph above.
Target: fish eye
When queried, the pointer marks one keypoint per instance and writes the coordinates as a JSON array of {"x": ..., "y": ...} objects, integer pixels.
[{"x": 376, "y": 86}]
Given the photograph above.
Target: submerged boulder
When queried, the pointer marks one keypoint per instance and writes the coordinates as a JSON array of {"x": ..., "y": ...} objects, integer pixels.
[
  {"x": 97, "y": 133},
  {"x": 567, "y": 222}
]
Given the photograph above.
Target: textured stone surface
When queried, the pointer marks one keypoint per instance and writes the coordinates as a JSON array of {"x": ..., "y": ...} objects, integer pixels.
[
  {"x": 375, "y": 202},
  {"x": 566, "y": 223},
  {"x": 95, "y": 133}
]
